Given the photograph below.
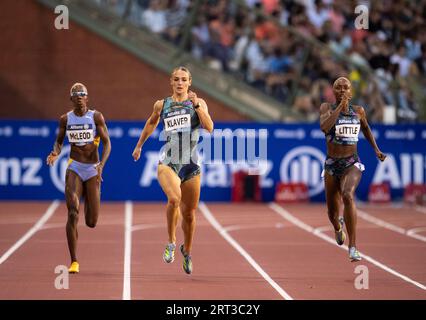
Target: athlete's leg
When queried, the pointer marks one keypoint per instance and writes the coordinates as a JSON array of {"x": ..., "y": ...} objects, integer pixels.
[
  {"x": 73, "y": 193},
  {"x": 348, "y": 184},
  {"x": 332, "y": 195},
  {"x": 92, "y": 201},
  {"x": 170, "y": 183},
  {"x": 190, "y": 197}
]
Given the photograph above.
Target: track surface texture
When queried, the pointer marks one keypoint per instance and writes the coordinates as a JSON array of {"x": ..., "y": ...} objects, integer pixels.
[{"x": 247, "y": 251}]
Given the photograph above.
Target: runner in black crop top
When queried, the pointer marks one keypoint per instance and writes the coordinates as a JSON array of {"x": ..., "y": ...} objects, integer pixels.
[{"x": 341, "y": 124}]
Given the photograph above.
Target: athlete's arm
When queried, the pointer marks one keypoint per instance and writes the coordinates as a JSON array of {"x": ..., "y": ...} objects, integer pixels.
[
  {"x": 365, "y": 128},
  {"x": 59, "y": 142},
  {"x": 204, "y": 116},
  {"x": 149, "y": 128},
  {"x": 102, "y": 131},
  {"x": 202, "y": 111},
  {"x": 328, "y": 117}
]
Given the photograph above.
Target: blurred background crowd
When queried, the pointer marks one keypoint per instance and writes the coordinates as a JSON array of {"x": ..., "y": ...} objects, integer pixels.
[{"x": 294, "y": 50}]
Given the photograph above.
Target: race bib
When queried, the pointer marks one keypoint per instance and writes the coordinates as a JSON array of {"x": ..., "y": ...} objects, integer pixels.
[
  {"x": 80, "y": 133},
  {"x": 347, "y": 130},
  {"x": 177, "y": 122}
]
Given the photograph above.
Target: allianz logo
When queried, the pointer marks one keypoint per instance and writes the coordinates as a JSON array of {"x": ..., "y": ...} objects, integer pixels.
[
  {"x": 20, "y": 172},
  {"x": 400, "y": 134},
  {"x": 401, "y": 170},
  {"x": 34, "y": 131},
  {"x": 136, "y": 132},
  {"x": 215, "y": 174},
  {"x": 59, "y": 169},
  {"x": 6, "y": 131},
  {"x": 27, "y": 171},
  {"x": 317, "y": 134},
  {"x": 289, "y": 134},
  {"x": 304, "y": 164},
  {"x": 228, "y": 133},
  {"x": 115, "y": 132},
  {"x": 300, "y": 164}
]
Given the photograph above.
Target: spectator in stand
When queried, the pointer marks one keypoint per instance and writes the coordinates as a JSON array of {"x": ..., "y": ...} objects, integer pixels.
[
  {"x": 244, "y": 38},
  {"x": 154, "y": 18}
]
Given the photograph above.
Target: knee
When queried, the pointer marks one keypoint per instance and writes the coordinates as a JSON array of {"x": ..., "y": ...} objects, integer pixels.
[
  {"x": 189, "y": 216},
  {"x": 73, "y": 215},
  {"x": 174, "y": 201},
  {"x": 91, "y": 221},
  {"x": 347, "y": 197},
  {"x": 71, "y": 195}
]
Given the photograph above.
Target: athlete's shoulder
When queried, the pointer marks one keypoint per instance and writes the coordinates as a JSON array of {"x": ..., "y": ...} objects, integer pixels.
[
  {"x": 357, "y": 107},
  {"x": 95, "y": 112},
  {"x": 63, "y": 118},
  {"x": 158, "y": 105},
  {"x": 98, "y": 117},
  {"x": 359, "y": 110}
]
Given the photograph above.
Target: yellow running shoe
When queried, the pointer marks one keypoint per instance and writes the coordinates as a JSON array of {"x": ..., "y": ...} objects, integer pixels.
[
  {"x": 340, "y": 235},
  {"x": 169, "y": 253},
  {"x": 187, "y": 261},
  {"x": 74, "y": 268}
]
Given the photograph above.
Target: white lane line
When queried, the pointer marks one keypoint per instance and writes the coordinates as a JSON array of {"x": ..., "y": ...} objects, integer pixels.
[
  {"x": 413, "y": 233},
  {"x": 128, "y": 217},
  {"x": 138, "y": 227},
  {"x": 37, "y": 226},
  {"x": 289, "y": 217},
  {"x": 322, "y": 229},
  {"x": 415, "y": 230},
  {"x": 209, "y": 216},
  {"x": 381, "y": 223},
  {"x": 421, "y": 209},
  {"x": 369, "y": 205},
  {"x": 245, "y": 227},
  {"x": 52, "y": 226},
  {"x": 236, "y": 227}
]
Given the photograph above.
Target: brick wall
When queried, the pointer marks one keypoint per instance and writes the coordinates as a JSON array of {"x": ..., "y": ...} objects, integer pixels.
[{"x": 38, "y": 64}]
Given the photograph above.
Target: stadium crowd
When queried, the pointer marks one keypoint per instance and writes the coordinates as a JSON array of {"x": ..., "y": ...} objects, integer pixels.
[{"x": 266, "y": 43}]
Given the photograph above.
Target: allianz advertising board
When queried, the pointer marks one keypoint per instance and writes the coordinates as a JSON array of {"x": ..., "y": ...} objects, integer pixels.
[{"x": 279, "y": 152}]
